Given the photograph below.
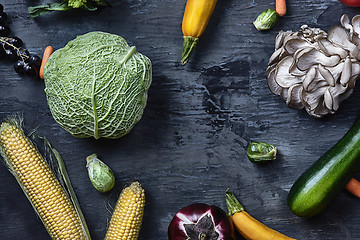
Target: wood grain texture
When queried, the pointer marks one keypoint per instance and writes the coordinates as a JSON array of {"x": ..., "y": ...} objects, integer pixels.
[{"x": 190, "y": 145}]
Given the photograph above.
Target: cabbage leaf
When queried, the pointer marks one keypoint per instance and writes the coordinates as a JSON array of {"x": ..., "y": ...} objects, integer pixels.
[{"x": 97, "y": 85}]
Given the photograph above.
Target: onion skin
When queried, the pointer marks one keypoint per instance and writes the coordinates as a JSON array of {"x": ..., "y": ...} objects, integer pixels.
[
  {"x": 351, "y": 3},
  {"x": 192, "y": 213}
]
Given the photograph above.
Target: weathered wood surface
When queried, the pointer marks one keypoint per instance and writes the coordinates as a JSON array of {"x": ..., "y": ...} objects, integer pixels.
[{"x": 190, "y": 144}]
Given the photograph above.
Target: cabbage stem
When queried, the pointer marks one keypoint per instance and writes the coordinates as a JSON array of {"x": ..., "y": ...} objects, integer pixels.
[{"x": 131, "y": 51}]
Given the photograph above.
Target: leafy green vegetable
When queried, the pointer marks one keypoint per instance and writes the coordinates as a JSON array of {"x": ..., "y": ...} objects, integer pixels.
[
  {"x": 260, "y": 151},
  {"x": 266, "y": 20},
  {"x": 76, "y": 3},
  {"x": 47, "y": 8},
  {"x": 90, "y": 5},
  {"x": 97, "y": 85}
]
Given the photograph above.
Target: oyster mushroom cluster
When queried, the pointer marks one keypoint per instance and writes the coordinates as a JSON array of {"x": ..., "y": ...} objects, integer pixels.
[{"x": 316, "y": 70}]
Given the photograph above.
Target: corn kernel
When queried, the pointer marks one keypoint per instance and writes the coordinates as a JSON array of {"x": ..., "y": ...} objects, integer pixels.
[
  {"x": 40, "y": 184},
  {"x": 126, "y": 220}
]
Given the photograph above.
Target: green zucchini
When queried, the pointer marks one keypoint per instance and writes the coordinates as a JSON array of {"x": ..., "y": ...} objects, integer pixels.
[{"x": 318, "y": 186}]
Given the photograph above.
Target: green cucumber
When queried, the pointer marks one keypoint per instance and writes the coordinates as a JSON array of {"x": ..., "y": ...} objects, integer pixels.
[{"x": 318, "y": 186}]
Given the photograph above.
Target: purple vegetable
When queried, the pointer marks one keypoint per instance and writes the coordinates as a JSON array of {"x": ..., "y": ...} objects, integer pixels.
[{"x": 199, "y": 221}]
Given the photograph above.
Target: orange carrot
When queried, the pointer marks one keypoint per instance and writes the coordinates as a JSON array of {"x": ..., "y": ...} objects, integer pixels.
[
  {"x": 47, "y": 52},
  {"x": 281, "y": 7},
  {"x": 353, "y": 186}
]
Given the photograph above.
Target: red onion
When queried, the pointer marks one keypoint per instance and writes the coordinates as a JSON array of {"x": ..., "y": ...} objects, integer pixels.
[
  {"x": 351, "y": 3},
  {"x": 200, "y": 221}
]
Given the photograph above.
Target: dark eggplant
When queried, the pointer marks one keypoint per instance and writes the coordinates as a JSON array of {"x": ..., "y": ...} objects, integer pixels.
[{"x": 200, "y": 221}]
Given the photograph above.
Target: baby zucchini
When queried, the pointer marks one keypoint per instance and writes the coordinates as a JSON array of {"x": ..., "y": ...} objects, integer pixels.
[
  {"x": 246, "y": 225},
  {"x": 196, "y": 17},
  {"x": 318, "y": 186}
]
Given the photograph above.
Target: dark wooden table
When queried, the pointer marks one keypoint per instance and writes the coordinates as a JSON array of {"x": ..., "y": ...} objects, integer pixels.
[{"x": 190, "y": 145}]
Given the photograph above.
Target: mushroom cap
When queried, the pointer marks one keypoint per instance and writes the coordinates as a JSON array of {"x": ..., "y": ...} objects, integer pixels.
[
  {"x": 311, "y": 56},
  {"x": 315, "y": 70}
]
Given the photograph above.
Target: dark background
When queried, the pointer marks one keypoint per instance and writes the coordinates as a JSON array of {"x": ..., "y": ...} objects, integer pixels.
[{"x": 190, "y": 145}]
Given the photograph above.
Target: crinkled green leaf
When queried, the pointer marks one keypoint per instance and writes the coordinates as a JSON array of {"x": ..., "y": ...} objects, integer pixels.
[
  {"x": 47, "y": 8},
  {"x": 76, "y": 3},
  {"x": 90, "y": 5},
  {"x": 97, "y": 85}
]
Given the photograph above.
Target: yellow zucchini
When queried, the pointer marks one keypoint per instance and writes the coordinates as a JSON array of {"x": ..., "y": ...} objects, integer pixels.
[{"x": 196, "y": 17}]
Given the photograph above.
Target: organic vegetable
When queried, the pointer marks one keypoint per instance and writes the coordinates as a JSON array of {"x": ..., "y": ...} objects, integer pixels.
[
  {"x": 351, "y": 3},
  {"x": 316, "y": 70},
  {"x": 266, "y": 20},
  {"x": 127, "y": 217},
  {"x": 260, "y": 151},
  {"x": 280, "y": 7},
  {"x": 97, "y": 85},
  {"x": 47, "y": 53},
  {"x": 100, "y": 174},
  {"x": 61, "y": 217},
  {"x": 90, "y": 5},
  {"x": 196, "y": 17},
  {"x": 353, "y": 186},
  {"x": 319, "y": 185},
  {"x": 200, "y": 221},
  {"x": 246, "y": 225}
]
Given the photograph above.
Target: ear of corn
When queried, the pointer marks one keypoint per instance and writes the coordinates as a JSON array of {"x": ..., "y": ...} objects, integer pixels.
[
  {"x": 40, "y": 185},
  {"x": 126, "y": 220}
]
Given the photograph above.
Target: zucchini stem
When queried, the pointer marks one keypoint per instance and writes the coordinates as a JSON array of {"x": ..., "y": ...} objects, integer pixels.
[
  {"x": 232, "y": 203},
  {"x": 188, "y": 48}
]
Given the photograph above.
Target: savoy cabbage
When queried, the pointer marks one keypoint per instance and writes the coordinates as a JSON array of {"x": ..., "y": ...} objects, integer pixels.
[{"x": 97, "y": 85}]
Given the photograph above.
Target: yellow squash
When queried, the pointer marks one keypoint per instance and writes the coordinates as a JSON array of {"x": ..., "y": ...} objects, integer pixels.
[
  {"x": 246, "y": 225},
  {"x": 196, "y": 17}
]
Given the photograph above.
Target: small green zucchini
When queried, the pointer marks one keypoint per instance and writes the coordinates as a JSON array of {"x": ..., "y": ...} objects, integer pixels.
[{"x": 318, "y": 186}]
